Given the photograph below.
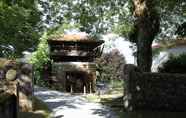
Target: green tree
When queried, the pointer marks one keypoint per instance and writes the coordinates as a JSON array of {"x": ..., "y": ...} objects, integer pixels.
[
  {"x": 172, "y": 16},
  {"x": 40, "y": 57},
  {"x": 181, "y": 31},
  {"x": 19, "y": 28},
  {"x": 146, "y": 26},
  {"x": 149, "y": 18},
  {"x": 93, "y": 16},
  {"x": 110, "y": 66}
]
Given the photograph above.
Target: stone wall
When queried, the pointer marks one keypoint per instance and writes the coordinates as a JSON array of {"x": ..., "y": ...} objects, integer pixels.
[
  {"x": 8, "y": 99},
  {"x": 153, "y": 91},
  {"x": 8, "y": 105},
  {"x": 21, "y": 74}
]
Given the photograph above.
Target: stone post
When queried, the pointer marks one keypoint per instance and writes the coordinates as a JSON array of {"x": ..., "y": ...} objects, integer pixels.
[{"x": 129, "y": 71}]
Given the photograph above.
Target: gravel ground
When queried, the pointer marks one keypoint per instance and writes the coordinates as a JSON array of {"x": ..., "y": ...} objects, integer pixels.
[{"x": 65, "y": 105}]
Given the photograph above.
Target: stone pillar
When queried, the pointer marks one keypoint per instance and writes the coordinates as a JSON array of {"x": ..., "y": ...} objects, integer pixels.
[{"x": 129, "y": 71}]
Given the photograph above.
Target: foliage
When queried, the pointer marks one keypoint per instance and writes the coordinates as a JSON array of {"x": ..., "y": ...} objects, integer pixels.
[
  {"x": 61, "y": 29},
  {"x": 93, "y": 16},
  {"x": 172, "y": 17},
  {"x": 19, "y": 19},
  {"x": 19, "y": 27},
  {"x": 110, "y": 66},
  {"x": 149, "y": 18},
  {"x": 175, "y": 64},
  {"x": 40, "y": 57},
  {"x": 181, "y": 31},
  {"x": 124, "y": 29},
  {"x": 156, "y": 51}
]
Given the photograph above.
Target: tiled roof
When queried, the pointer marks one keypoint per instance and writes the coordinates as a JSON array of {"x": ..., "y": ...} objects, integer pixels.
[{"x": 71, "y": 37}]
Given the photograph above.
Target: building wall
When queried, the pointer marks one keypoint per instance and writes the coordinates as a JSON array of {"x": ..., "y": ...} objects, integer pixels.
[{"x": 153, "y": 91}]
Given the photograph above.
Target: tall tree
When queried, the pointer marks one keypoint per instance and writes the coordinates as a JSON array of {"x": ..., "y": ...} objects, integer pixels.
[
  {"x": 99, "y": 16},
  {"x": 150, "y": 16},
  {"x": 147, "y": 25},
  {"x": 19, "y": 28}
]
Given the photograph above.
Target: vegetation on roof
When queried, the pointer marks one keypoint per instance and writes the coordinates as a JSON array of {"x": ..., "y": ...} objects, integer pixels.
[{"x": 71, "y": 37}]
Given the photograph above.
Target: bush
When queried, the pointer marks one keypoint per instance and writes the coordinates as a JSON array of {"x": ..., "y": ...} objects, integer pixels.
[
  {"x": 175, "y": 64},
  {"x": 110, "y": 66},
  {"x": 39, "y": 58}
]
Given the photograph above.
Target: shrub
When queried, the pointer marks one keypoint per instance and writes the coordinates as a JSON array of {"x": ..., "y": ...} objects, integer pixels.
[
  {"x": 39, "y": 58},
  {"x": 175, "y": 64},
  {"x": 110, "y": 66}
]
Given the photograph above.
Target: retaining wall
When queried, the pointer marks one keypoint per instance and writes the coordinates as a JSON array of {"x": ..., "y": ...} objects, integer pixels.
[
  {"x": 21, "y": 74},
  {"x": 153, "y": 91}
]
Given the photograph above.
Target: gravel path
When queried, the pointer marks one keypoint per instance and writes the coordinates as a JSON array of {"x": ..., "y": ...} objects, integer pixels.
[{"x": 65, "y": 105}]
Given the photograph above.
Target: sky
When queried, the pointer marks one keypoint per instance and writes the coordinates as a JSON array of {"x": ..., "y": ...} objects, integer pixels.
[{"x": 113, "y": 41}]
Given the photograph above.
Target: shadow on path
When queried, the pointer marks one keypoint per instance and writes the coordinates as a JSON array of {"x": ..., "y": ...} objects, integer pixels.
[{"x": 65, "y": 105}]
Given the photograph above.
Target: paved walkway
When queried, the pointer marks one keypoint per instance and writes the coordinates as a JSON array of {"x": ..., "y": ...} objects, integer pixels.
[{"x": 65, "y": 105}]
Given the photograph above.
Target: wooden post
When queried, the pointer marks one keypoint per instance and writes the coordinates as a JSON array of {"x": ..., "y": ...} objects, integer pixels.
[
  {"x": 93, "y": 82},
  {"x": 71, "y": 90},
  {"x": 90, "y": 87},
  {"x": 84, "y": 89}
]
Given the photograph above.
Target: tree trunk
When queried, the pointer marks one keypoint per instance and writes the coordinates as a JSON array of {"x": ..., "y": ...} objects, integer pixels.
[
  {"x": 144, "y": 53},
  {"x": 146, "y": 28}
]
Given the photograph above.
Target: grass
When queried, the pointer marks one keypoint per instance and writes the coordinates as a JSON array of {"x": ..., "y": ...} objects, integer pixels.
[
  {"x": 92, "y": 98},
  {"x": 40, "y": 110},
  {"x": 115, "y": 103},
  {"x": 113, "y": 98}
]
